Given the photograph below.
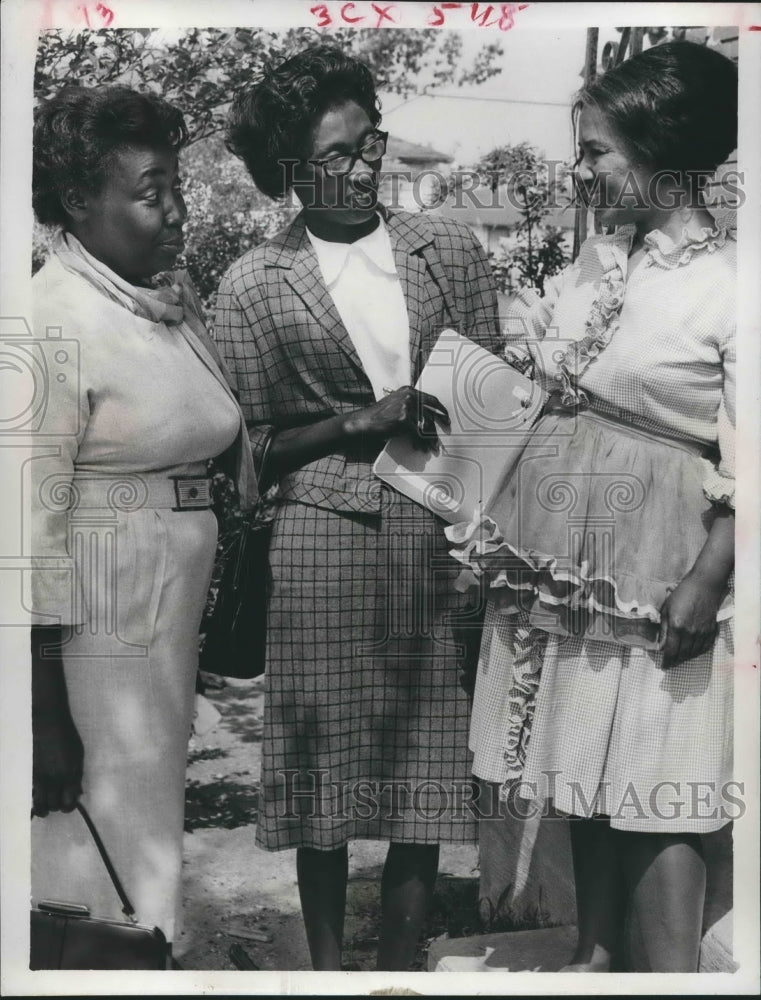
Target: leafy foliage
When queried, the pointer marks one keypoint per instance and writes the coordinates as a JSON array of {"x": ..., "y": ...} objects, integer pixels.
[
  {"x": 525, "y": 179},
  {"x": 514, "y": 267},
  {"x": 200, "y": 69},
  {"x": 226, "y": 214}
]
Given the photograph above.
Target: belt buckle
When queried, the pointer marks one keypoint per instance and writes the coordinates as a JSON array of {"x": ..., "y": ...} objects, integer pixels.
[{"x": 192, "y": 492}]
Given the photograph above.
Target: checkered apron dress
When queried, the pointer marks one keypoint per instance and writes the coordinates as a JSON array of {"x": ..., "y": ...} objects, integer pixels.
[{"x": 365, "y": 727}]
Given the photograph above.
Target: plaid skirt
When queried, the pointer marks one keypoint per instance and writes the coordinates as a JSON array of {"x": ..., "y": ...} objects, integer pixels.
[{"x": 365, "y": 722}]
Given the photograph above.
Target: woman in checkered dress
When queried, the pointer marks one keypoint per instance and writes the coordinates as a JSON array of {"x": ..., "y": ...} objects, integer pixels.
[
  {"x": 326, "y": 326},
  {"x": 610, "y": 550}
]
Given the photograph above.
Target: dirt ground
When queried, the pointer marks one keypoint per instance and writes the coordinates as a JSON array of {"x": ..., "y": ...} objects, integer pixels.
[{"x": 239, "y": 895}]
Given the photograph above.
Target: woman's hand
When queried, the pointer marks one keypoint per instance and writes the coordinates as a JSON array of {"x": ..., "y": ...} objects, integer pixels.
[
  {"x": 57, "y": 753},
  {"x": 688, "y": 615},
  {"x": 403, "y": 411},
  {"x": 57, "y": 762},
  {"x": 688, "y": 620}
]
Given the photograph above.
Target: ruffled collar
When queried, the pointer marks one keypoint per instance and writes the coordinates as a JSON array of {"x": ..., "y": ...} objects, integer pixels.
[{"x": 670, "y": 254}]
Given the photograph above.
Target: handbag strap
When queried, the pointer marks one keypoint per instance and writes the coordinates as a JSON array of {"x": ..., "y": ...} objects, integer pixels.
[
  {"x": 127, "y": 908},
  {"x": 265, "y": 454}
]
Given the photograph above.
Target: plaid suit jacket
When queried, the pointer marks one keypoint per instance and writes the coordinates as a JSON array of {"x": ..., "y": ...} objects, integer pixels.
[{"x": 293, "y": 360}]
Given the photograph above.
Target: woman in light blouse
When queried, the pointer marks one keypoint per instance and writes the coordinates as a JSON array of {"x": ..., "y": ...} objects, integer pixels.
[
  {"x": 610, "y": 550},
  {"x": 123, "y": 533}
]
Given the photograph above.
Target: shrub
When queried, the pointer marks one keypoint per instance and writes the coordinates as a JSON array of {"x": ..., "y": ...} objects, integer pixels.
[
  {"x": 42, "y": 237},
  {"x": 226, "y": 214},
  {"x": 514, "y": 268}
]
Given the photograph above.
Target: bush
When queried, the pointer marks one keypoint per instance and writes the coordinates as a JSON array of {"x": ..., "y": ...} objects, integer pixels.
[
  {"x": 42, "y": 237},
  {"x": 513, "y": 267},
  {"x": 226, "y": 214}
]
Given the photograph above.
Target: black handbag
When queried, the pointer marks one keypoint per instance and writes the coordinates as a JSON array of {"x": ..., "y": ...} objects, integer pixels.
[
  {"x": 467, "y": 629},
  {"x": 65, "y": 936},
  {"x": 235, "y": 629}
]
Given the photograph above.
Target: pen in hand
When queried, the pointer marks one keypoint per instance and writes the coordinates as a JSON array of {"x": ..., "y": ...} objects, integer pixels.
[{"x": 429, "y": 411}]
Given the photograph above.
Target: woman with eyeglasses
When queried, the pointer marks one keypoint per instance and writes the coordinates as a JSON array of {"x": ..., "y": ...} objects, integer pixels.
[{"x": 326, "y": 327}]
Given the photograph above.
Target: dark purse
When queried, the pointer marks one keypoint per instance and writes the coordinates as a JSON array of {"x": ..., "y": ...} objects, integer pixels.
[
  {"x": 235, "y": 626},
  {"x": 65, "y": 936},
  {"x": 235, "y": 630},
  {"x": 467, "y": 629}
]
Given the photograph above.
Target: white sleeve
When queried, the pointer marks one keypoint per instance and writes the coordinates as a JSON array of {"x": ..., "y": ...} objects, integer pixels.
[
  {"x": 719, "y": 484},
  {"x": 56, "y": 587}
]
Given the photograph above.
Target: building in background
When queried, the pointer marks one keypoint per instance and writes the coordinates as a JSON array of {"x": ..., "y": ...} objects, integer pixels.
[
  {"x": 412, "y": 174},
  {"x": 494, "y": 225}
]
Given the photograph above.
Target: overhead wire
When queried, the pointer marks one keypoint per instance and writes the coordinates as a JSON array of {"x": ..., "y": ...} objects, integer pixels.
[{"x": 480, "y": 99}]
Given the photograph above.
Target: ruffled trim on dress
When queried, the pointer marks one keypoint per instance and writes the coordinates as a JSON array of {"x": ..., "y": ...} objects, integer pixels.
[
  {"x": 526, "y": 674},
  {"x": 669, "y": 254},
  {"x": 590, "y": 554},
  {"x": 601, "y": 325},
  {"x": 719, "y": 489},
  {"x": 602, "y": 322},
  {"x": 482, "y": 549}
]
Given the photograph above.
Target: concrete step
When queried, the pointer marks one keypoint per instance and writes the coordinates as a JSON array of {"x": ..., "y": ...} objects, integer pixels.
[
  {"x": 550, "y": 949},
  {"x": 515, "y": 951}
]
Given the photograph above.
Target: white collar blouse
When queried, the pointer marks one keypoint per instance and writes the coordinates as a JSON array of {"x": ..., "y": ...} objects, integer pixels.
[{"x": 363, "y": 282}]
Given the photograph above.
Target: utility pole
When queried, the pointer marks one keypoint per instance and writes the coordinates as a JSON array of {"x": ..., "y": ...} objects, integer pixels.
[{"x": 590, "y": 72}]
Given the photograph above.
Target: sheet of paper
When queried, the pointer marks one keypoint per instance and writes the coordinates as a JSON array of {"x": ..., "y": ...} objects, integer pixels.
[{"x": 491, "y": 409}]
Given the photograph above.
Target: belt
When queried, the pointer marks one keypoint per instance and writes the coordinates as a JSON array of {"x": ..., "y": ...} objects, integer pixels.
[
  {"x": 136, "y": 490},
  {"x": 693, "y": 447}
]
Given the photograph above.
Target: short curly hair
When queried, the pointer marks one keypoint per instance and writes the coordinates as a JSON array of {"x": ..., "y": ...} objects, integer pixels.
[
  {"x": 673, "y": 105},
  {"x": 77, "y": 133},
  {"x": 271, "y": 121}
]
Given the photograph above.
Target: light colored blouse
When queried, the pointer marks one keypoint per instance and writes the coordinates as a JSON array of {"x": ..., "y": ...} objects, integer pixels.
[
  {"x": 364, "y": 284},
  {"x": 129, "y": 395},
  {"x": 654, "y": 347}
]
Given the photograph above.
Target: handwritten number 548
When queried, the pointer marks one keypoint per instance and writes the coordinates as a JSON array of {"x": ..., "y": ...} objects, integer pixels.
[{"x": 501, "y": 16}]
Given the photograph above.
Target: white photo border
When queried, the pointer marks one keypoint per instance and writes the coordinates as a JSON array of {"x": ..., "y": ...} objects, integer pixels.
[{"x": 21, "y": 20}]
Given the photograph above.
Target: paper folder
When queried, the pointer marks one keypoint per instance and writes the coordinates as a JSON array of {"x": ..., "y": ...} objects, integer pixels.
[{"x": 492, "y": 408}]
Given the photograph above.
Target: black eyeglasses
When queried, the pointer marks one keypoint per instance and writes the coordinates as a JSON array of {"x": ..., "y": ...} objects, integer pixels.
[{"x": 343, "y": 163}]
